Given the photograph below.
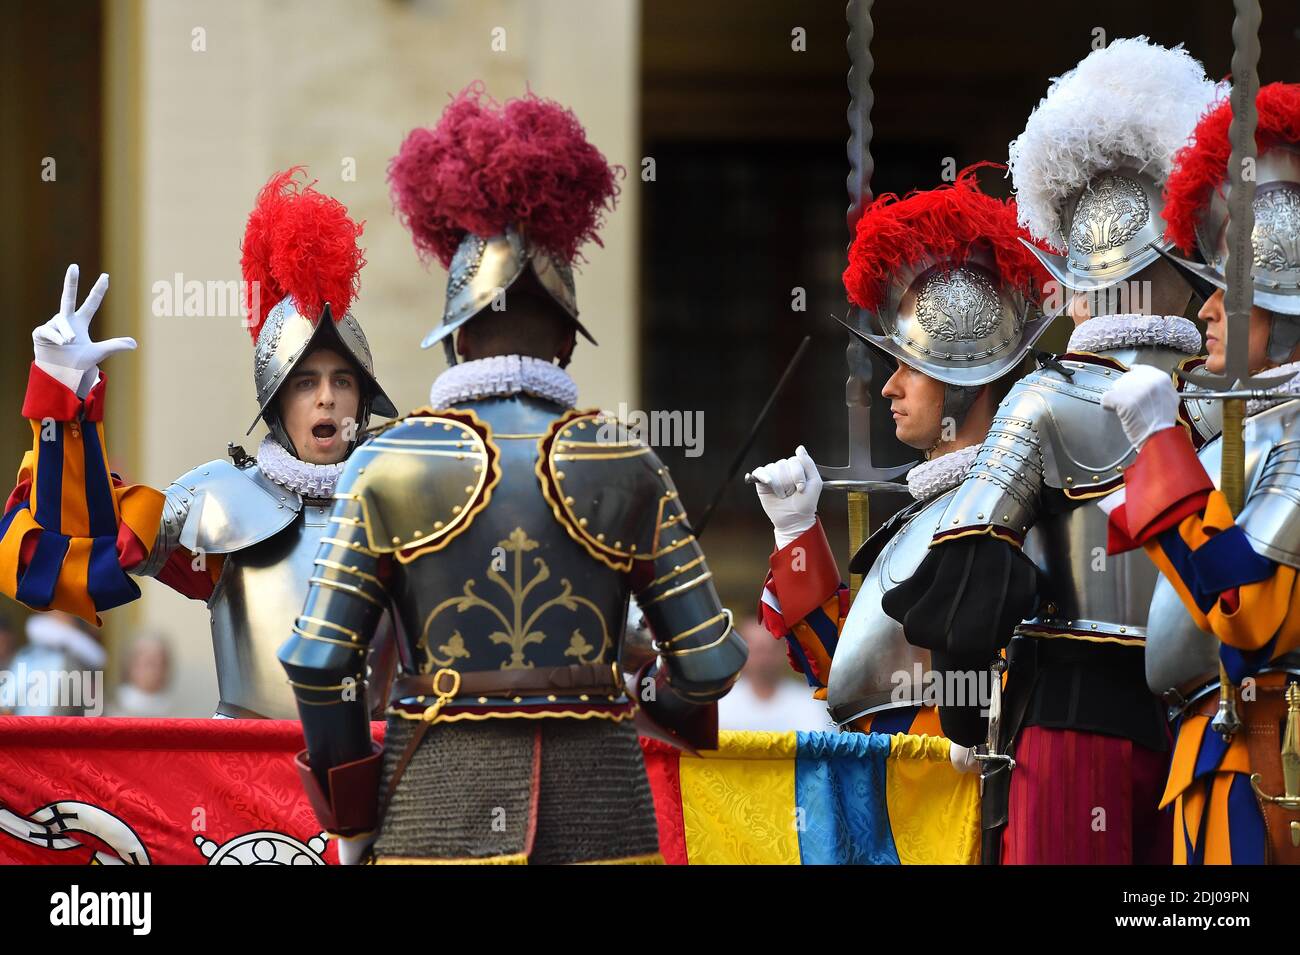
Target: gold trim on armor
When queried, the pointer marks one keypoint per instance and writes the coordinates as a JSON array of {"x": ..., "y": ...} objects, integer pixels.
[
  {"x": 342, "y": 643},
  {"x": 1086, "y": 638},
  {"x": 698, "y": 627},
  {"x": 344, "y": 588},
  {"x": 668, "y": 549},
  {"x": 350, "y": 545},
  {"x": 613, "y": 716},
  {"x": 355, "y": 571},
  {"x": 333, "y": 626},
  {"x": 680, "y": 569},
  {"x": 680, "y": 588}
]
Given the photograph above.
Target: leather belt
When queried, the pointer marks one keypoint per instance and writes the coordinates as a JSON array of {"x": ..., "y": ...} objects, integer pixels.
[
  {"x": 1261, "y": 722},
  {"x": 575, "y": 679}
]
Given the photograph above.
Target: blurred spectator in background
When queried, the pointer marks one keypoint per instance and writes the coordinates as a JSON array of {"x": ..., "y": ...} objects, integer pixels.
[
  {"x": 769, "y": 695},
  {"x": 8, "y": 648},
  {"x": 145, "y": 689},
  {"x": 60, "y": 672}
]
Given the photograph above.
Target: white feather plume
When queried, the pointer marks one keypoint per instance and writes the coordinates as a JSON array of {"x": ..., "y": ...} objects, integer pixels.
[{"x": 1133, "y": 103}]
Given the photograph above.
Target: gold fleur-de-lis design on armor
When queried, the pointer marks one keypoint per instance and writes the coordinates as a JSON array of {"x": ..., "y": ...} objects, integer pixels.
[
  {"x": 578, "y": 646},
  {"x": 518, "y": 622},
  {"x": 454, "y": 647}
]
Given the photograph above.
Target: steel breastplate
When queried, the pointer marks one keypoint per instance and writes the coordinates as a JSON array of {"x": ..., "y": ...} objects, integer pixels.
[
  {"x": 875, "y": 668},
  {"x": 524, "y": 593},
  {"x": 1180, "y": 655},
  {"x": 257, "y": 598}
]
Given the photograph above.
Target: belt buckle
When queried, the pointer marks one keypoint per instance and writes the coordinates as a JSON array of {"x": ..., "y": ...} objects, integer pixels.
[{"x": 444, "y": 696}]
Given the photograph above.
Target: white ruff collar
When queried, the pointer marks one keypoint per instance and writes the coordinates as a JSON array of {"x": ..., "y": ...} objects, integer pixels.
[
  {"x": 1108, "y": 332},
  {"x": 501, "y": 376},
  {"x": 309, "y": 480},
  {"x": 1284, "y": 391},
  {"x": 931, "y": 478}
]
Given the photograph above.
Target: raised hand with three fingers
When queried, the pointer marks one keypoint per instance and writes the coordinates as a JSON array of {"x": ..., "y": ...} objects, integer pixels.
[{"x": 63, "y": 346}]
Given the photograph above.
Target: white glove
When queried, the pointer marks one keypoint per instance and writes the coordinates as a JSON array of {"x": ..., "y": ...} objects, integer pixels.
[
  {"x": 62, "y": 345},
  {"x": 963, "y": 759},
  {"x": 1146, "y": 402},
  {"x": 788, "y": 490},
  {"x": 352, "y": 851}
]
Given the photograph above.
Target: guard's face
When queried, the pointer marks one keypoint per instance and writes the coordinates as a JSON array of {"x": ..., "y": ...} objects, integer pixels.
[
  {"x": 318, "y": 405},
  {"x": 916, "y": 402},
  {"x": 1215, "y": 317}
]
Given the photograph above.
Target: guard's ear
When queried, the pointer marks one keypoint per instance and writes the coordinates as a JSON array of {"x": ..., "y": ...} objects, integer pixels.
[{"x": 464, "y": 345}]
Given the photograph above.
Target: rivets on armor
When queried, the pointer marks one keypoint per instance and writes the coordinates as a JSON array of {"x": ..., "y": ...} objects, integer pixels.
[
  {"x": 446, "y": 426},
  {"x": 414, "y": 534},
  {"x": 954, "y": 520},
  {"x": 469, "y": 489},
  {"x": 618, "y": 544},
  {"x": 582, "y": 522},
  {"x": 478, "y": 468},
  {"x": 205, "y": 473},
  {"x": 437, "y": 525},
  {"x": 482, "y": 699},
  {"x": 584, "y": 697},
  {"x": 1006, "y": 517},
  {"x": 1069, "y": 480},
  {"x": 1196, "y": 417},
  {"x": 600, "y": 537},
  {"x": 361, "y": 470},
  {"x": 1123, "y": 629},
  {"x": 1094, "y": 626},
  {"x": 568, "y": 500},
  {"x": 397, "y": 540},
  {"x": 1096, "y": 478},
  {"x": 633, "y": 548},
  {"x": 559, "y": 475},
  {"x": 979, "y": 517},
  {"x": 550, "y": 698},
  {"x": 582, "y": 425},
  {"x": 518, "y": 699},
  {"x": 457, "y": 509}
]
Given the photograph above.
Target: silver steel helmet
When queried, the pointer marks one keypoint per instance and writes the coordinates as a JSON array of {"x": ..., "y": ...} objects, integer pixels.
[
  {"x": 285, "y": 338},
  {"x": 1275, "y": 239},
  {"x": 483, "y": 268},
  {"x": 956, "y": 323},
  {"x": 1113, "y": 231}
]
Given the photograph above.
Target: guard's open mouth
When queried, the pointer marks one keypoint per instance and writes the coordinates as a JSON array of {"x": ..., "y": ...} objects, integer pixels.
[{"x": 324, "y": 431}]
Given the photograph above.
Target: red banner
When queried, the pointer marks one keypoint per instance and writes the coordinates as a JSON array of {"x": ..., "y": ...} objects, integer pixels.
[{"x": 169, "y": 792}]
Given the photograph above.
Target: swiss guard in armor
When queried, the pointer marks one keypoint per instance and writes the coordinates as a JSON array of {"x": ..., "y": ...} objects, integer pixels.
[
  {"x": 1229, "y": 587},
  {"x": 1087, "y": 171},
  {"x": 956, "y": 295},
  {"x": 507, "y": 530},
  {"x": 239, "y": 535}
]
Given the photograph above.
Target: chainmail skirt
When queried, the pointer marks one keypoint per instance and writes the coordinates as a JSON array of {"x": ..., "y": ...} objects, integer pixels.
[{"x": 544, "y": 791}]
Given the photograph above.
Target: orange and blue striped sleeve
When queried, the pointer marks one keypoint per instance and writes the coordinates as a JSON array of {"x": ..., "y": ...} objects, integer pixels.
[
  {"x": 805, "y": 603},
  {"x": 70, "y": 527},
  {"x": 1173, "y": 512}
]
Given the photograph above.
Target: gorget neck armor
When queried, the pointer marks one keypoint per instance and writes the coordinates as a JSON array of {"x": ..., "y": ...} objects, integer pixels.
[
  {"x": 301, "y": 477},
  {"x": 502, "y": 376},
  {"x": 1110, "y": 332},
  {"x": 934, "y": 477}
]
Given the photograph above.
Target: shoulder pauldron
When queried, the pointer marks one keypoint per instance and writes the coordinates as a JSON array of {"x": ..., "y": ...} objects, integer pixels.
[
  {"x": 607, "y": 488},
  {"x": 421, "y": 481}
]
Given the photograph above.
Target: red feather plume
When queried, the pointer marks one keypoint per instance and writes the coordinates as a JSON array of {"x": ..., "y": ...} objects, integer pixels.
[
  {"x": 946, "y": 222},
  {"x": 303, "y": 243},
  {"x": 1201, "y": 167},
  {"x": 485, "y": 167}
]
